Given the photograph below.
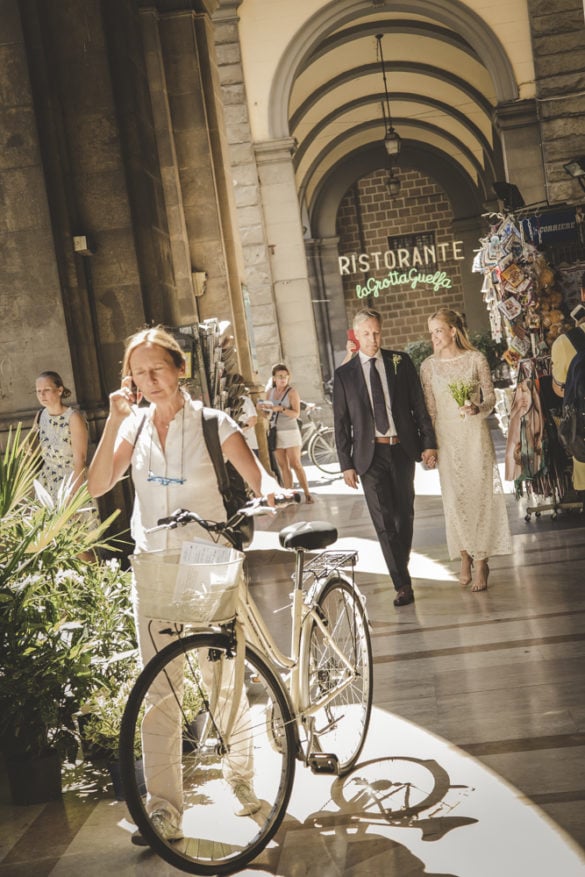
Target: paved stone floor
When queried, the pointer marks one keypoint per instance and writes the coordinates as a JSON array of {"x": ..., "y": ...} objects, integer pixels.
[{"x": 479, "y": 711}]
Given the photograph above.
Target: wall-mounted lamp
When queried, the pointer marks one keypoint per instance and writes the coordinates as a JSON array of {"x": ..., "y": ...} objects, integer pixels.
[
  {"x": 576, "y": 169},
  {"x": 510, "y": 195}
]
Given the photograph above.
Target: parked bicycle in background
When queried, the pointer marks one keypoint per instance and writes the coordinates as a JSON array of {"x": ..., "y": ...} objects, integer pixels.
[{"x": 318, "y": 440}]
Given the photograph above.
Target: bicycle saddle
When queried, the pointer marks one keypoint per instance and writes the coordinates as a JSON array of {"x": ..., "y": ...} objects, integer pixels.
[{"x": 310, "y": 535}]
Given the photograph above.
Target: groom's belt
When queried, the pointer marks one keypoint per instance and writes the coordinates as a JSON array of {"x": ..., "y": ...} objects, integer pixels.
[{"x": 388, "y": 440}]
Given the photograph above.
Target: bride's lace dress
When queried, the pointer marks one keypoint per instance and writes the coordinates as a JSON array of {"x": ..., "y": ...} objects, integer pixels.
[{"x": 474, "y": 504}]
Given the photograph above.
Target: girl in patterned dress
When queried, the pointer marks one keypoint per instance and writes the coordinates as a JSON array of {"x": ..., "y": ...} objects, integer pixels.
[{"x": 63, "y": 437}]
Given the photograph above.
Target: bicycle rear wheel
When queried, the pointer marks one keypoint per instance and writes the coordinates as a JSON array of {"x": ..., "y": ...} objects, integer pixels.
[
  {"x": 176, "y": 715},
  {"x": 337, "y": 670},
  {"x": 322, "y": 452}
]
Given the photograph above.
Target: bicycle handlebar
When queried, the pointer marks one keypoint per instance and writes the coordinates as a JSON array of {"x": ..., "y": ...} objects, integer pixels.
[{"x": 258, "y": 505}]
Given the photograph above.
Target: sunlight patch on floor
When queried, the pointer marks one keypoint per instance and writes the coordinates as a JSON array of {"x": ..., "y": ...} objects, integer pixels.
[
  {"x": 426, "y": 481},
  {"x": 371, "y": 560},
  {"x": 416, "y": 804}
]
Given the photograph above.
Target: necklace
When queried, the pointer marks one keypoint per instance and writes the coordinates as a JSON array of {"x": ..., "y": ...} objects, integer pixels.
[{"x": 165, "y": 480}]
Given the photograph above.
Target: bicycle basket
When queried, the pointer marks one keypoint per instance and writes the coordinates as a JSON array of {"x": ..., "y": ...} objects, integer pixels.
[{"x": 194, "y": 593}]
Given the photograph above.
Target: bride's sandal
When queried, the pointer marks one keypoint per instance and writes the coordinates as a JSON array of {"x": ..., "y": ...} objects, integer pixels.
[
  {"x": 482, "y": 577},
  {"x": 466, "y": 567}
]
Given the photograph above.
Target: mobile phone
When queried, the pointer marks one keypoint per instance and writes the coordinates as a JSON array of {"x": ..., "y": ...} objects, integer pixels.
[
  {"x": 351, "y": 337},
  {"x": 578, "y": 313},
  {"x": 136, "y": 395}
]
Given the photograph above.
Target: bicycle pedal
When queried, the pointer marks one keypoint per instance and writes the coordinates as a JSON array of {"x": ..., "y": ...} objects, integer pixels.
[{"x": 323, "y": 762}]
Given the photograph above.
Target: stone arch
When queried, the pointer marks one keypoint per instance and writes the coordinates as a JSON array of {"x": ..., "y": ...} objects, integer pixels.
[{"x": 452, "y": 13}]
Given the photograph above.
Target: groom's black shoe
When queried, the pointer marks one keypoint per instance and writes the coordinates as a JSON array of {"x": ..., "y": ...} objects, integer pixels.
[{"x": 403, "y": 597}]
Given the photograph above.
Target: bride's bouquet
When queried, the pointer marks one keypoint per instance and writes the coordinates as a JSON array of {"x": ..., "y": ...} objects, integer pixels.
[{"x": 462, "y": 392}]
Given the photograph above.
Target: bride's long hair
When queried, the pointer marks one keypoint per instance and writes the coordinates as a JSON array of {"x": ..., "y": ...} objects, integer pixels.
[{"x": 454, "y": 320}]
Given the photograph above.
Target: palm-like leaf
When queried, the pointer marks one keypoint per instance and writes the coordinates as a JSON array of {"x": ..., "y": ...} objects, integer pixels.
[
  {"x": 19, "y": 465},
  {"x": 45, "y": 629}
]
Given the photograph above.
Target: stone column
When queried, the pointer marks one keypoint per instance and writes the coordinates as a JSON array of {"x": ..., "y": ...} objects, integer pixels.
[
  {"x": 292, "y": 291},
  {"x": 558, "y": 44},
  {"x": 182, "y": 304},
  {"x": 476, "y": 315},
  {"x": 519, "y": 129},
  {"x": 333, "y": 286},
  {"x": 207, "y": 202},
  {"x": 250, "y": 220},
  {"x": 33, "y": 334}
]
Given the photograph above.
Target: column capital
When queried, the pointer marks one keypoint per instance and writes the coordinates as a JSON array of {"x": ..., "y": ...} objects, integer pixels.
[
  {"x": 227, "y": 10},
  {"x": 515, "y": 114},
  {"x": 165, "y": 7},
  {"x": 331, "y": 242},
  {"x": 274, "y": 151}
]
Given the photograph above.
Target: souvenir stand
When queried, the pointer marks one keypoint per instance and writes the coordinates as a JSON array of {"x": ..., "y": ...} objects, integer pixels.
[{"x": 526, "y": 303}]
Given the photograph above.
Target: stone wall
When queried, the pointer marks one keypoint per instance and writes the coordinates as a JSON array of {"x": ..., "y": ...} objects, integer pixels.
[
  {"x": 558, "y": 42},
  {"x": 32, "y": 326}
]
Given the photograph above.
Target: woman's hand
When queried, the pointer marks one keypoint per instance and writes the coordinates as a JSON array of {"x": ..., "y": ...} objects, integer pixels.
[
  {"x": 122, "y": 400},
  {"x": 468, "y": 408}
]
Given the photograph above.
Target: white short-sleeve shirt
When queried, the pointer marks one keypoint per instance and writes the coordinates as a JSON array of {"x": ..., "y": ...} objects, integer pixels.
[
  {"x": 185, "y": 456},
  {"x": 249, "y": 411}
]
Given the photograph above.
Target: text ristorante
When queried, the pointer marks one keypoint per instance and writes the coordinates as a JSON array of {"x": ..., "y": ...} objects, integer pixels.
[{"x": 396, "y": 260}]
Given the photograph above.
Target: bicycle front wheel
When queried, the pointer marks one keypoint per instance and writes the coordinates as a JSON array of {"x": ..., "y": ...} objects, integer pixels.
[
  {"x": 322, "y": 452},
  {"x": 223, "y": 797},
  {"x": 337, "y": 672}
]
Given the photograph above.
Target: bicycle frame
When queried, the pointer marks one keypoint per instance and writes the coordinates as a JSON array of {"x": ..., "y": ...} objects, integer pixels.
[{"x": 303, "y": 611}]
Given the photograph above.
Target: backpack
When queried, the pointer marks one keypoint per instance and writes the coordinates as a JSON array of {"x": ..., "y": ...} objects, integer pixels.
[
  {"x": 572, "y": 424},
  {"x": 231, "y": 485}
]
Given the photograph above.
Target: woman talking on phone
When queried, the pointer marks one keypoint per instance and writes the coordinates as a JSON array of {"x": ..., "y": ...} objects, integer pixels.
[{"x": 171, "y": 469}]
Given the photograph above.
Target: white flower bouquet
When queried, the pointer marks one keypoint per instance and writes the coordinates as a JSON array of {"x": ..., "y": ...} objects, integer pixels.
[{"x": 462, "y": 392}]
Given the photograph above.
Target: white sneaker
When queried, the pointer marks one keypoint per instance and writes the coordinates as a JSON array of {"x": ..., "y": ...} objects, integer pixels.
[
  {"x": 163, "y": 825},
  {"x": 245, "y": 795}
]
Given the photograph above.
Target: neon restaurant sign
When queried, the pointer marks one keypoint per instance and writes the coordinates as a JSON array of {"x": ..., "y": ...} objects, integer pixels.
[{"x": 410, "y": 260}]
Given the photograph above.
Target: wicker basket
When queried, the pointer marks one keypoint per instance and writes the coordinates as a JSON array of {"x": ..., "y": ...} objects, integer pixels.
[{"x": 188, "y": 593}]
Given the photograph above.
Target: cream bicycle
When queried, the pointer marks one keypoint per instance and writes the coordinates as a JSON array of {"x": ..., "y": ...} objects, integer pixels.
[{"x": 263, "y": 710}]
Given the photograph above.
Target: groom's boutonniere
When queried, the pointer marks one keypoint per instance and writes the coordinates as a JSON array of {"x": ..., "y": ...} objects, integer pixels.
[{"x": 396, "y": 360}]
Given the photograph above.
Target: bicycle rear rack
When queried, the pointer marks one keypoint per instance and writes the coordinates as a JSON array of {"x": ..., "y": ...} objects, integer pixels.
[{"x": 328, "y": 561}]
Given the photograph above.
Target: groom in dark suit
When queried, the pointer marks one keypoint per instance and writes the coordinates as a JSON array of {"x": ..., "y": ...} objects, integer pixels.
[{"x": 382, "y": 428}]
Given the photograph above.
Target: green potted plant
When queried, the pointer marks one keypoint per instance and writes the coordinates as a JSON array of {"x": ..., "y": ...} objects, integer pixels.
[
  {"x": 46, "y": 669},
  {"x": 101, "y": 730},
  {"x": 418, "y": 352},
  {"x": 107, "y": 614}
]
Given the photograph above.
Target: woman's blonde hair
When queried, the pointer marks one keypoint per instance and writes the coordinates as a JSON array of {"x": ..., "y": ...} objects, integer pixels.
[
  {"x": 454, "y": 320},
  {"x": 155, "y": 335}
]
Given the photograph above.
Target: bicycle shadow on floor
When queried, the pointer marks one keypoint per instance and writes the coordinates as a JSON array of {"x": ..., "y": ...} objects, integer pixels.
[{"x": 348, "y": 833}]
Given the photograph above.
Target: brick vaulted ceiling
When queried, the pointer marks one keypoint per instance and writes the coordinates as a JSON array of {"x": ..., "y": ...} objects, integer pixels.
[{"x": 444, "y": 83}]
